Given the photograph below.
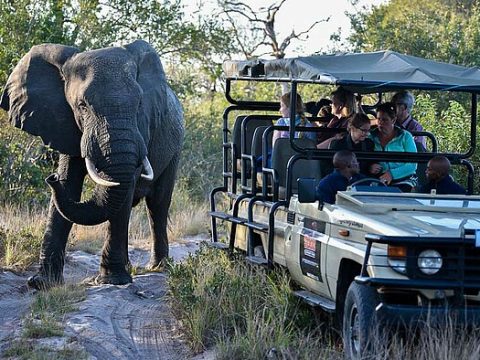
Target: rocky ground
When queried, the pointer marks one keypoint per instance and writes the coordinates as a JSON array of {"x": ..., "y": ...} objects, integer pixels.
[{"x": 132, "y": 321}]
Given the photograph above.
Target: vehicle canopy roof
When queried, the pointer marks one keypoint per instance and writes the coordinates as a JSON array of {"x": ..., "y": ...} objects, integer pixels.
[{"x": 361, "y": 72}]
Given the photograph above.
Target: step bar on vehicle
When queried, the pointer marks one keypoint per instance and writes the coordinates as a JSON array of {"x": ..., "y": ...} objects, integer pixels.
[
  {"x": 251, "y": 225},
  {"x": 316, "y": 300}
]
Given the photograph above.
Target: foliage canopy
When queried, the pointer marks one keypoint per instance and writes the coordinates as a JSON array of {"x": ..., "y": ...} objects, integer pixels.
[{"x": 445, "y": 30}]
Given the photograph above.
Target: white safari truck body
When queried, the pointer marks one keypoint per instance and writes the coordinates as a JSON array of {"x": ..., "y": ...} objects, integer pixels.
[{"x": 375, "y": 256}]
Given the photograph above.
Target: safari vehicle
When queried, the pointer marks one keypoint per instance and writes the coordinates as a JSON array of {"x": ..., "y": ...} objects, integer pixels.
[{"x": 374, "y": 254}]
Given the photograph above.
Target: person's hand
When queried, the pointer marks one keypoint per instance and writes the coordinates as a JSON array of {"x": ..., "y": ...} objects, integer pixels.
[
  {"x": 386, "y": 178},
  {"x": 375, "y": 169},
  {"x": 339, "y": 136}
]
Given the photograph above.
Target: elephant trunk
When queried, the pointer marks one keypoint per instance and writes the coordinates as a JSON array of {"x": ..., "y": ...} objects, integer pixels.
[
  {"x": 102, "y": 206},
  {"x": 113, "y": 157},
  {"x": 106, "y": 201},
  {"x": 84, "y": 213}
]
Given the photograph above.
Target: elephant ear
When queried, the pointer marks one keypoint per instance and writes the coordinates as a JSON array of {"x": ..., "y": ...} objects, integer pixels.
[
  {"x": 34, "y": 97},
  {"x": 152, "y": 80}
]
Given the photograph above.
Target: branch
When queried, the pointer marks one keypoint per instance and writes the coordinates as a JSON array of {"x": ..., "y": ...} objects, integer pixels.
[
  {"x": 311, "y": 27},
  {"x": 237, "y": 38},
  {"x": 234, "y": 4},
  {"x": 273, "y": 9},
  {"x": 254, "y": 19},
  {"x": 293, "y": 35}
]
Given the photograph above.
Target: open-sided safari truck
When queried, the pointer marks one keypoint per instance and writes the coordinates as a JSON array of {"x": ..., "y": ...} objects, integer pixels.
[{"x": 390, "y": 256}]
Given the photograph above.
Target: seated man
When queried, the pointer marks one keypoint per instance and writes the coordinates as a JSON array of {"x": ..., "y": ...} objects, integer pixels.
[
  {"x": 438, "y": 177},
  {"x": 346, "y": 171}
]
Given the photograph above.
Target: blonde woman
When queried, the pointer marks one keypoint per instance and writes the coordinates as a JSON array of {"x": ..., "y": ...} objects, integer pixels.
[{"x": 300, "y": 119}]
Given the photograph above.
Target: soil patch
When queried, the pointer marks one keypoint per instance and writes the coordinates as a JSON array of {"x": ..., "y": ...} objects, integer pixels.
[{"x": 131, "y": 321}]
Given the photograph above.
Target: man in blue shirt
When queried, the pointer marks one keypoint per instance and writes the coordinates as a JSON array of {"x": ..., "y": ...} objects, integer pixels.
[
  {"x": 346, "y": 171},
  {"x": 438, "y": 177}
]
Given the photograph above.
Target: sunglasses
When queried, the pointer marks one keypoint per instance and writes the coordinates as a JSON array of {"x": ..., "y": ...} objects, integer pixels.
[{"x": 364, "y": 131}]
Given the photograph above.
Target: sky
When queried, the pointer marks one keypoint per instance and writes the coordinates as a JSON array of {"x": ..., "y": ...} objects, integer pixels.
[{"x": 299, "y": 15}]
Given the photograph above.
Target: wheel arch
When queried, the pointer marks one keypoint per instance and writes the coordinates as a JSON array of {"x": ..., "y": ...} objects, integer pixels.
[{"x": 347, "y": 271}]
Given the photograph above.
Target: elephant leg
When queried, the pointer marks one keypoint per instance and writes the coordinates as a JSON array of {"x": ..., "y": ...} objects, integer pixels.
[
  {"x": 114, "y": 263},
  {"x": 72, "y": 172},
  {"x": 158, "y": 203}
]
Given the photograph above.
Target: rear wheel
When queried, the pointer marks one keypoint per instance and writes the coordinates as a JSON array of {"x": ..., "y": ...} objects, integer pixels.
[{"x": 359, "y": 324}]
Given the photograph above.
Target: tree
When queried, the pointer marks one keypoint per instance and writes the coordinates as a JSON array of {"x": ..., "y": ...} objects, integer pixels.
[
  {"x": 445, "y": 30},
  {"x": 259, "y": 30}
]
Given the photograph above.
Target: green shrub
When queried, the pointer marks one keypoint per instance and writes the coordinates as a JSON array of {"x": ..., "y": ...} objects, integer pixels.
[{"x": 24, "y": 164}]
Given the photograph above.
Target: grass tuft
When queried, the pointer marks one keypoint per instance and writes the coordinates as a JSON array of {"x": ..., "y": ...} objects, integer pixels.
[
  {"x": 48, "y": 309},
  {"x": 187, "y": 220},
  {"x": 59, "y": 300},
  {"x": 19, "y": 250},
  {"x": 445, "y": 340},
  {"x": 42, "y": 326},
  {"x": 27, "y": 350},
  {"x": 240, "y": 310},
  {"x": 21, "y": 234}
]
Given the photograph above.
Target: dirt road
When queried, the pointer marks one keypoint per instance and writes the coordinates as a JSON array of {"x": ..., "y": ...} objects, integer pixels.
[{"x": 114, "y": 322}]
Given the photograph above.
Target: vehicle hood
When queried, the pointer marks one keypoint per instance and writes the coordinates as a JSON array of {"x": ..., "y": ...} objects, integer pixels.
[{"x": 429, "y": 223}]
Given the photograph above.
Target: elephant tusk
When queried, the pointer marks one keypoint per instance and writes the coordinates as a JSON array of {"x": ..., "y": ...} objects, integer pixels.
[
  {"x": 148, "y": 175},
  {"x": 92, "y": 171}
]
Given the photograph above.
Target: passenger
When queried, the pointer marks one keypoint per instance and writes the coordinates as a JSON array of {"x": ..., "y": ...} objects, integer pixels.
[
  {"x": 404, "y": 102},
  {"x": 300, "y": 119},
  {"x": 356, "y": 139},
  {"x": 343, "y": 106},
  {"x": 438, "y": 177},
  {"x": 388, "y": 137},
  {"x": 315, "y": 107},
  {"x": 346, "y": 171},
  {"x": 325, "y": 113}
]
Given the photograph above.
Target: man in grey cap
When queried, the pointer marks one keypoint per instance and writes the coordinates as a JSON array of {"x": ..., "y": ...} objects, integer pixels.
[{"x": 404, "y": 101}]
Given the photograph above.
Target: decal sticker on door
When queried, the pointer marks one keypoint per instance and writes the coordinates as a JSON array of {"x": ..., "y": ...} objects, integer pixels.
[{"x": 311, "y": 248}]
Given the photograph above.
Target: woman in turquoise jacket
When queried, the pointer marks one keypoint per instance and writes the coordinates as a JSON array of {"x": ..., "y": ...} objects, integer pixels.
[{"x": 388, "y": 137}]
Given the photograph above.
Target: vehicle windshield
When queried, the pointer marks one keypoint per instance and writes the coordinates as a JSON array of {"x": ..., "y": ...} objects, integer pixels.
[{"x": 418, "y": 201}]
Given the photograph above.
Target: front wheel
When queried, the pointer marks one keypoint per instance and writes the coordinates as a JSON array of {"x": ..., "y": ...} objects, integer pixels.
[{"x": 359, "y": 321}]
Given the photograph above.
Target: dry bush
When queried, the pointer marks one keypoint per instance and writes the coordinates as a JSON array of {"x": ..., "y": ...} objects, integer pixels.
[
  {"x": 21, "y": 233},
  {"x": 440, "y": 340}
]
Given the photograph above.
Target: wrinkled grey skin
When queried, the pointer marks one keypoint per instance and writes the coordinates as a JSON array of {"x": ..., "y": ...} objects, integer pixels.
[{"x": 114, "y": 107}]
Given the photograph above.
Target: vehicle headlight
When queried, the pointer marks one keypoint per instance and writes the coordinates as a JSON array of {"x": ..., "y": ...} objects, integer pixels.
[{"x": 430, "y": 262}]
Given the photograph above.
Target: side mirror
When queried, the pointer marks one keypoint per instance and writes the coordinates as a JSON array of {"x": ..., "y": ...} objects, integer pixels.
[{"x": 306, "y": 190}]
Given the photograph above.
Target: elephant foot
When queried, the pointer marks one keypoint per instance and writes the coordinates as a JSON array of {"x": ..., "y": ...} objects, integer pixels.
[
  {"x": 157, "y": 265},
  {"x": 114, "y": 278},
  {"x": 43, "y": 282}
]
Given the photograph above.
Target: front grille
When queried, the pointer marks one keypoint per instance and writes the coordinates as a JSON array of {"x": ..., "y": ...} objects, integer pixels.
[{"x": 459, "y": 263}]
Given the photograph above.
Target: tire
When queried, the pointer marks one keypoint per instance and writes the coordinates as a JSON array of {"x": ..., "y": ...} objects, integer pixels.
[{"x": 359, "y": 323}]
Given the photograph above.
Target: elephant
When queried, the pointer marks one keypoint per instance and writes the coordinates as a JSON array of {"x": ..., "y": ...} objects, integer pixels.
[{"x": 110, "y": 114}]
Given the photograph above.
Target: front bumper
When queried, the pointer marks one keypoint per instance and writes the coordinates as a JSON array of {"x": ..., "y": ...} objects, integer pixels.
[
  {"x": 418, "y": 315},
  {"x": 402, "y": 314}
]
